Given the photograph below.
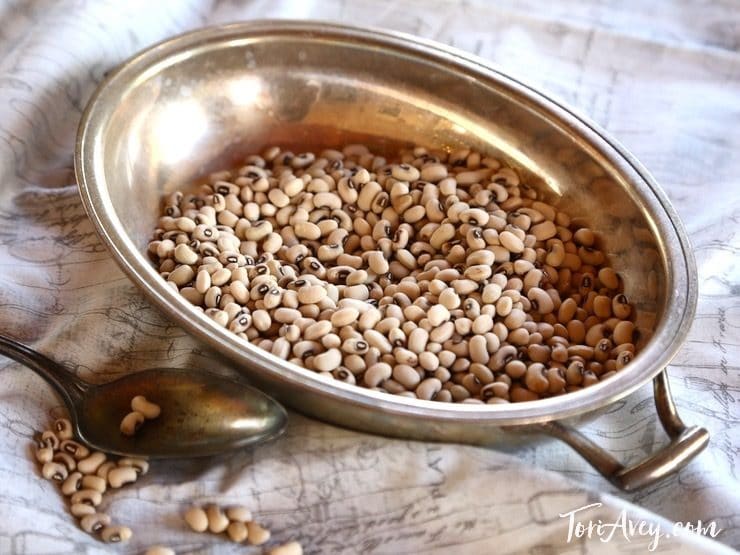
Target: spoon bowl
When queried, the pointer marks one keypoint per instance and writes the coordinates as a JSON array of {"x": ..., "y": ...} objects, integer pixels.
[{"x": 202, "y": 413}]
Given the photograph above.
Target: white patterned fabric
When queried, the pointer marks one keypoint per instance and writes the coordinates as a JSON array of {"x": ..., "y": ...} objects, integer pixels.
[{"x": 662, "y": 77}]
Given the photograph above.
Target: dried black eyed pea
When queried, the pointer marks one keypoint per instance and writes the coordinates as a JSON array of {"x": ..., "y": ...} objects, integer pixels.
[
  {"x": 104, "y": 469},
  {"x": 291, "y": 548},
  {"x": 44, "y": 454},
  {"x": 535, "y": 378},
  {"x": 256, "y": 534},
  {"x": 94, "y": 523},
  {"x": 141, "y": 466},
  {"x": 238, "y": 513},
  {"x": 148, "y": 409},
  {"x": 54, "y": 471},
  {"x": 197, "y": 519},
  {"x": 50, "y": 439},
  {"x": 72, "y": 483},
  {"x": 623, "y": 359},
  {"x": 65, "y": 459},
  {"x": 120, "y": 476},
  {"x": 91, "y": 463},
  {"x": 602, "y": 350},
  {"x": 589, "y": 378},
  {"x": 95, "y": 483},
  {"x": 81, "y": 509},
  {"x": 159, "y": 550},
  {"x": 87, "y": 497},
  {"x": 621, "y": 307},
  {"x": 217, "y": 520},
  {"x": 131, "y": 423},
  {"x": 115, "y": 534},
  {"x": 237, "y": 531}
]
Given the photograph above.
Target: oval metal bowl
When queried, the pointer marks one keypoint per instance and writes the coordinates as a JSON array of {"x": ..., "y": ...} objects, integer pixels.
[{"x": 201, "y": 101}]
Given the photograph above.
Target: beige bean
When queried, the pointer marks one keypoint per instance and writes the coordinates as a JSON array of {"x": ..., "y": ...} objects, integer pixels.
[
  {"x": 104, "y": 469},
  {"x": 94, "y": 523},
  {"x": 66, "y": 459},
  {"x": 541, "y": 300},
  {"x": 81, "y": 509},
  {"x": 185, "y": 255},
  {"x": 623, "y": 332},
  {"x": 50, "y": 439},
  {"x": 428, "y": 388},
  {"x": 77, "y": 450},
  {"x": 44, "y": 454},
  {"x": 311, "y": 294},
  {"x": 621, "y": 307},
  {"x": 90, "y": 464},
  {"x": 197, "y": 519},
  {"x": 256, "y": 534},
  {"x": 217, "y": 520},
  {"x": 131, "y": 423},
  {"x": 307, "y": 230},
  {"x": 116, "y": 534},
  {"x": 328, "y": 361},
  {"x": 160, "y": 549},
  {"x": 237, "y": 531},
  {"x": 63, "y": 428},
  {"x": 145, "y": 407},
  {"x": 602, "y": 306},
  {"x": 317, "y": 330},
  {"x": 438, "y": 314},
  {"x": 290, "y": 548},
  {"x": 478, "y": 349},
  {"x": 87, "y": 496},
  {"x": 377, "y": 262},
  {"x": 238, "y": 513},
  {"x": 544, "y": 230},
  {"x": 54, "y": 471},
  {"x": 120, "y": 476},
  {"x": 623, "y": 359},
  {"x": 501, "y": 357},
  {"x": 344, "y": 317},
  {"x": 377, "y": 373},
  {"x": 511, "y": 242},
  {"x": 95, "y": 483},
  {"x": 482, "y": 324},
  {"x": 72, "y": 483}
]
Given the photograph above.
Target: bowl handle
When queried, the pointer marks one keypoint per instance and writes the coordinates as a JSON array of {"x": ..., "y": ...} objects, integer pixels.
[{"x": 686, "y": 443}]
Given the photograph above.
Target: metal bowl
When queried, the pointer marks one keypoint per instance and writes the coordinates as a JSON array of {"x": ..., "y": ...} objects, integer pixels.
[{"x": 201, "y": 101}]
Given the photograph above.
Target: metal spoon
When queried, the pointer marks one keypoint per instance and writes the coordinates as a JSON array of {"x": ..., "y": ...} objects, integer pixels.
[{"x": 202, "y": 413}]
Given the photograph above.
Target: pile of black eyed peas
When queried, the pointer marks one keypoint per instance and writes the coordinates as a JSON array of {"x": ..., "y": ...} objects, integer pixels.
[{"x": 439, "y": 276}]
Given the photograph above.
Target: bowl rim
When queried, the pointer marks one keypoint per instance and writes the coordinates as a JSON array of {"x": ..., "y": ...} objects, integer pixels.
[{"x": 681, "y": 282}]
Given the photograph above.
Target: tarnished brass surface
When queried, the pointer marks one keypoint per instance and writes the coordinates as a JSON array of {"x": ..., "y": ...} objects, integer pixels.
[{"x": 203, "y": 100}]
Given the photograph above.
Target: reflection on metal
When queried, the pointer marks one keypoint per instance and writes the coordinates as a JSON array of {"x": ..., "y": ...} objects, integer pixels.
[{"x": 176, "y": 128}]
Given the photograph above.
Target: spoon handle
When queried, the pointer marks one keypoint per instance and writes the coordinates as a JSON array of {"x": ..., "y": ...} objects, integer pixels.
[{"x": 69, "y": 386}]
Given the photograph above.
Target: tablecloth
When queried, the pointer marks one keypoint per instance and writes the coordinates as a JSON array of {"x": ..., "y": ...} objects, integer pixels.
[{"x": 662, "y": 77}]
